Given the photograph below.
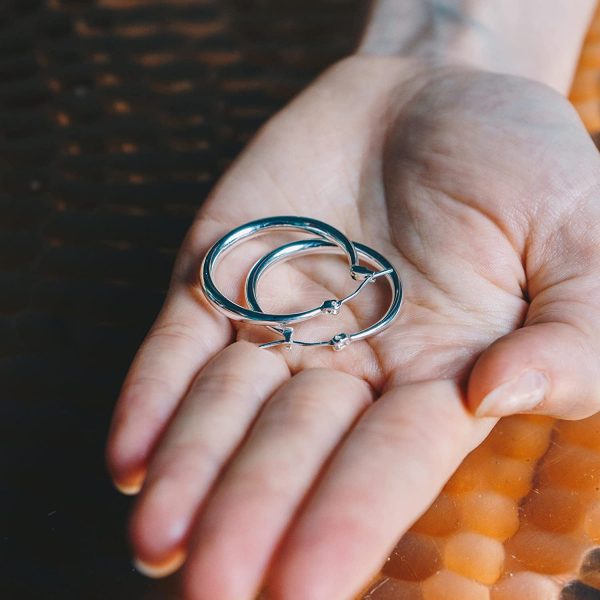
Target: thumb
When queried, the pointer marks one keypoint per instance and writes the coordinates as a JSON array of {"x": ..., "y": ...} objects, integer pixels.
[
  {"x": 547, "y": 368},
  {"x": 551, "y": 365}
]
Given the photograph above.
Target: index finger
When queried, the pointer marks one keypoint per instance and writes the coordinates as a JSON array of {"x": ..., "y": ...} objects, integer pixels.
[{"x": 386, "y": 473}]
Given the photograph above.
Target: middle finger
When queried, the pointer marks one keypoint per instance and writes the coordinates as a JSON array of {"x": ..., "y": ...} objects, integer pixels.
[{"x": 264, "y": 485}]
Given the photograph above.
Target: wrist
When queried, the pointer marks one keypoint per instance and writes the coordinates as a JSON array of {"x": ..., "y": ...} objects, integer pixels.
[{"x": 538, "y": 39}]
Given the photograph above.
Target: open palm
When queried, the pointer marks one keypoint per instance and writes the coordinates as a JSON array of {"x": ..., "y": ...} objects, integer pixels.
[{"x": 298, "y": 470}]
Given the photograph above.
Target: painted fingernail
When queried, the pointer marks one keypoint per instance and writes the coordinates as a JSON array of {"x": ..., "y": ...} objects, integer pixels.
[
  {"x": 518, "y": 395},
  {"x": 163, "y": 569}
]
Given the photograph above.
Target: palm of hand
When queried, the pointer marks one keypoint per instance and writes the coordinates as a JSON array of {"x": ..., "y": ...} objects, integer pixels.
[{"x": 435, "y": 172}]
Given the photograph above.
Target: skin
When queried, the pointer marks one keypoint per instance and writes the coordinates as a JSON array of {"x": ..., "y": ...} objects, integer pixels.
[{"x": 299, "y": 470}]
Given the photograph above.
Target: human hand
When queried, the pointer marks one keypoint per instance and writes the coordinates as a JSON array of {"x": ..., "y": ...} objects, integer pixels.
[{"x": 481, "y": 189}]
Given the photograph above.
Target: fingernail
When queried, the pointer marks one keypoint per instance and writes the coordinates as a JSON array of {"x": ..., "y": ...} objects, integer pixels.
[
  {"x": 128, "y": 489},
  {"x": 162, "y": 570},
  {"x": 131, "y": 483},
  {"x": 515, "y": 396}
]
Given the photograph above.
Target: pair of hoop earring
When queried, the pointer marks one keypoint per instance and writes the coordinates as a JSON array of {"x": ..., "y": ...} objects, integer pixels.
[{"x": 330, "y": 240}]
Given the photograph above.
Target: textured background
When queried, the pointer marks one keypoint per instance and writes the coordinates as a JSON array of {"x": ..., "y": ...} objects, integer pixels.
[{"x": 116, "y": 117}]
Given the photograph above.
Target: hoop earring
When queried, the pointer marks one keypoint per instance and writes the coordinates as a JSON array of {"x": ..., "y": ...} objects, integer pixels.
[{"x": 340, "y": 340}]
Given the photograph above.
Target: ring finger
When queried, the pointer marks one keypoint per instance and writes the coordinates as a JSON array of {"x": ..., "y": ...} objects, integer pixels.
[{"x": 211, "y": 422}]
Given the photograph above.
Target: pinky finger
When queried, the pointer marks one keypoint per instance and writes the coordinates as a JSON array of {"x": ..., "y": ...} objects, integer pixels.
[{"x": 181, "y": 340}]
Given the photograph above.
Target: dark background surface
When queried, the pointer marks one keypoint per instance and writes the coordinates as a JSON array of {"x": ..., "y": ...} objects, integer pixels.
[{"x": 116, "y": 117}]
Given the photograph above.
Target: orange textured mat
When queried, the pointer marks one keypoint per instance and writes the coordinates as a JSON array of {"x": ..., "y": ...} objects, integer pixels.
[
  {"x": 520, "y": 518},
  {"x": 585, "y": 92}
]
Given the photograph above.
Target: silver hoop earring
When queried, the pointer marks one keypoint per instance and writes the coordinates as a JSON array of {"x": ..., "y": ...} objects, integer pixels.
[
  {"x": 340, "y": 340},
  {"x": 234, "y": 311}
]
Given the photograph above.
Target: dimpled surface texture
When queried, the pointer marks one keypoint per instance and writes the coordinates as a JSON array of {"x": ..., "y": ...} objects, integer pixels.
[{"x": 519, "y": 520}]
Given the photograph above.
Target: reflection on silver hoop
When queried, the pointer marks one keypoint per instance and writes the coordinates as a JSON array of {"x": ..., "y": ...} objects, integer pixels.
[
  {"x": 329, "y": 234},
  {"x": 340, "y": 340}
]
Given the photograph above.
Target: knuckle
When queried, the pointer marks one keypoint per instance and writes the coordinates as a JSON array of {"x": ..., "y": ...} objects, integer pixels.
[
  {"x": 182, "y": 458},
  {"x": 171, "y": 331}
]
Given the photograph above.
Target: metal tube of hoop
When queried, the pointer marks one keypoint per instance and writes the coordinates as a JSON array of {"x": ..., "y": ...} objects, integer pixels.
[
  {"x": 340, "y": 340},
  {"x": 244, "y": 232}
]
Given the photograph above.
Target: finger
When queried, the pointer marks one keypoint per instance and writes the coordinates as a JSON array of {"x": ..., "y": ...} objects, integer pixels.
[
  {"x": 386, "y": 473},
  {"x": 548, "y": 368},
  {"x": 211, "y": 422},
  {"x": 185, "y": 335},
  {"x": 552, "y": 364},
  {"x": 264, "y": 485}
]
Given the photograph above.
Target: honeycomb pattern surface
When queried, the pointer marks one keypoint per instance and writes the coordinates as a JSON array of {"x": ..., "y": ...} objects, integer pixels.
[{"x": 518, "y": 520}]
